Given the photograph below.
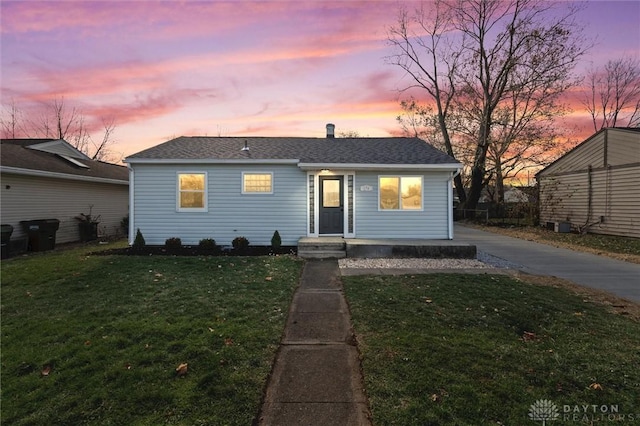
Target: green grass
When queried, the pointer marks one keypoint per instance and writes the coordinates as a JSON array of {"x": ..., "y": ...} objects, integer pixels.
[
  {"x": 451, "y": 349},
  {"x": 610, "y": 243},
  {"x": 113, "y": 329}
]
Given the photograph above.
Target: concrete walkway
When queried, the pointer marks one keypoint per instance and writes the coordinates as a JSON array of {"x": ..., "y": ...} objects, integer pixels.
[
  {"x": 589, "y": 270},
  {"x": 316, "y": 379}
]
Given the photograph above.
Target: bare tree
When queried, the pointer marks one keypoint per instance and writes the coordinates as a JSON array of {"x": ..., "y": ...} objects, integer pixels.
[
  {"x": 101, "y": 150},
  {"x": 59, "y": 121},
  {"x": 427, "y": 57},
  {"x": 613, "y": 95},
  {"x": 494, "y": 51},
  {"x": 349, "y": 134},
  {"x": 11, "y": 121}
]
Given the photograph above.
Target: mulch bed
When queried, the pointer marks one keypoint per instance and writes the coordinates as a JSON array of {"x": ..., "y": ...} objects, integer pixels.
[{"x": 197, "y": 251}]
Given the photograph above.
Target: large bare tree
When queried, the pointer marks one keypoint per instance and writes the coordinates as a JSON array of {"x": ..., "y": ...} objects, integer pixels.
[
  {"x": 613, "y": 94},
  {"x": 486, "y": 63},
  {"x": 58, "y": 120}
]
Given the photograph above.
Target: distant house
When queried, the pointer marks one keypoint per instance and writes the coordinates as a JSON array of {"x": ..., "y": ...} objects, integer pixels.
[
  {"x": 224, "y": 187},
  {"x": 50, "y": 179},
  {"x": 512, "y": 194},
  {"x": 596, "y": 186}
]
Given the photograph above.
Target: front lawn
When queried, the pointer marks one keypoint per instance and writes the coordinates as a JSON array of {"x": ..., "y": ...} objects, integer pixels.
[
  {"x": 97, "y": 339},
  {"x": 481, "y": 349}
]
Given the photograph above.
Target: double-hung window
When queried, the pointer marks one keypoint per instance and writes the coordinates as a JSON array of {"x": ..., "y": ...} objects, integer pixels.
[
  {"x": 257, "y": 183},
  {"x": 400, "y": 192},
  {"x": 192, "y": 192}
]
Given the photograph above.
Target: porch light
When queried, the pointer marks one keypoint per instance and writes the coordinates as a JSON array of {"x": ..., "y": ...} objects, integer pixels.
[{"x": 325, "y": 171}]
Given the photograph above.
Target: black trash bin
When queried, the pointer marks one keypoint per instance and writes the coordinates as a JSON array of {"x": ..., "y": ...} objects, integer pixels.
[
  {"x": 7, "y": 230},
  {"x": 41, "y": 233}
]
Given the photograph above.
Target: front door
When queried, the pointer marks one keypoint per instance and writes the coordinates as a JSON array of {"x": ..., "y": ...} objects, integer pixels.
[{"x": 331, "y": 205}]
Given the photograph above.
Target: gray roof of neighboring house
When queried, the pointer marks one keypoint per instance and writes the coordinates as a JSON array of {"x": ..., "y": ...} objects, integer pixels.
[
  {"x": 16, "y": 154},
  {"x": 408, "y": 151}
]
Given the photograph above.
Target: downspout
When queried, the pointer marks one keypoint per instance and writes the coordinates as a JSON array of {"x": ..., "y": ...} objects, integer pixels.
[
  {"x": 131, "y": 204},
  {"x": 450, "y": 202}
]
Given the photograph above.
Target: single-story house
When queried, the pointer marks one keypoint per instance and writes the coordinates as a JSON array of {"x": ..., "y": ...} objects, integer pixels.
[
  {"x": 595, "y": 187},
  {"x": 224, "y": 187},
  {"x": 50, "y": 179}
]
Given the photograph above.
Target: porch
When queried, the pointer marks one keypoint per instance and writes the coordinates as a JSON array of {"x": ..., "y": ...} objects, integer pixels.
[{"x": 338, "y": 247}]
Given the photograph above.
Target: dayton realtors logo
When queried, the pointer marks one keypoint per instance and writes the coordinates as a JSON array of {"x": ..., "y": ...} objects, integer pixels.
[{"x": 544, "y": 410}]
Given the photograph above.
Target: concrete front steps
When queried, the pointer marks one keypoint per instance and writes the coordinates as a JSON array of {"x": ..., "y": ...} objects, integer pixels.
[
  {"x": 322, "y": 248},
  {"x": 338, "y": 248}
]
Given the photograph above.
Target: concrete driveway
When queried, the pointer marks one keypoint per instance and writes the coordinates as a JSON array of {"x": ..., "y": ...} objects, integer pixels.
[{"x": 616, "y": 277}]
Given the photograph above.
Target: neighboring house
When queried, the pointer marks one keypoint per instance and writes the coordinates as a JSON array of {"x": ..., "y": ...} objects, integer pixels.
[
  {"x": 225, "y": 187},
  {"x": 515, "y": 195},
  {"x": 596, "y": 185},
  {"x": 512, "y": 194},
  {"x": 50, "y": 179}
]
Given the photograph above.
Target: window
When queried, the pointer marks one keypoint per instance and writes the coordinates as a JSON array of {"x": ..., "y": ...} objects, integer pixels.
[
  {"x": 257, "y": 183},
  {"x": 192, "y": 192},
  {"x": 331, "y": 192},
  {"x": 400, "y": 192}
]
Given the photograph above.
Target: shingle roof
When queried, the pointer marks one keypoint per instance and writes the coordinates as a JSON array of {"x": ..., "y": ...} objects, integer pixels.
[
  {"x": 411, "y": 151},
  {"x": 15, "y": 153}
]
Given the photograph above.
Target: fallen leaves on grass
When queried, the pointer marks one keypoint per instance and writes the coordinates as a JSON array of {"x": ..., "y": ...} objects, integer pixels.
[
  {"x": 228, "y": 341},
  {"x": 595, "y": 386},
  {"x": 181, "y": 370},
  {"x": 528, "y": 336},
  {"x": 46, "y": 370}
]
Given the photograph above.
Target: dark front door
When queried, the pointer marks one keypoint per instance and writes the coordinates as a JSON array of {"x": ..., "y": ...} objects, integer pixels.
[{"x": 331, "y": 205}]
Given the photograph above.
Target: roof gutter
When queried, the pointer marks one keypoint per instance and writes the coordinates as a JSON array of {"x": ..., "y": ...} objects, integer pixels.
[
  {"x": 366, "y": 166},
  {"x": 41, "y": 173},
  {"x": 450, "y": 202},
  {"x": 207, "y": 161}
]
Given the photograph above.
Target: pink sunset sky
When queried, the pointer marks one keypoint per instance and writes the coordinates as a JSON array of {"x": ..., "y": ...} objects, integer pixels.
[{"x": 162, "y": 69}]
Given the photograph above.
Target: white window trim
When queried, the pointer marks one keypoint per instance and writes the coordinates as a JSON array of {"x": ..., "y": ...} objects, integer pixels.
[
  {"x": 206, "y": 192},
  {"x": 421, "y": 209},
  {"x": 243, "y": 192}
]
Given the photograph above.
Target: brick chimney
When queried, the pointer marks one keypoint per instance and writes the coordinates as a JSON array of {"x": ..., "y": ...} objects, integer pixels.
[{"x": 331, "y": 128}]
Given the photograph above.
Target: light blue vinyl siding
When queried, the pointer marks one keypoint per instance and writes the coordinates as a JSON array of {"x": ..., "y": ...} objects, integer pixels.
[
  {"x": 230, "y": 213},
  {"x": 430, "y": 223}
]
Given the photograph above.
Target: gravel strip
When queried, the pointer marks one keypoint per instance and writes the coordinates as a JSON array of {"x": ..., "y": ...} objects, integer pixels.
[
  {"x": 412, "y": 263},
  {"x": 496, "y": 262}
]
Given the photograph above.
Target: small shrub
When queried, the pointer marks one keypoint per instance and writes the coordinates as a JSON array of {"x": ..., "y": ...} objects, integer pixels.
[
  {"x": 240, "y": 243},
  {"x": 139, "y": 242},
  {"x": 124, "y": 224},
  {"x": 276, "y": 241},
  {"x": 173, "y": 243},
  {"x": 207, "y": 244}
]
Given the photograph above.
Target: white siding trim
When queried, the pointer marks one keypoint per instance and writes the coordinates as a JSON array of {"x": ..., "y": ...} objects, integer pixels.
[
  {"x": 348, "y": 234},
  {"x": 374, "y": 167},
  {"x": 450, "y": 204},
  {"x": 243, "y": 192},
  {"x": 317, "y": 174},
  {"x": 206, "y": 161},
  {"x": 204, "y": 209},
  {"x": 42, "y": 173},
  {"x": 130, "y": 231},
  {"x": 400, "y": 209}
]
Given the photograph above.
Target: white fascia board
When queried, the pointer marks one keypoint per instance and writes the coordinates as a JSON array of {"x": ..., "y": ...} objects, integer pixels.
[
  {"x": 358, "y": 166},
  {"x": 72, "y": 149},
  {"x": 42, "y": 173},
  {"x": 207, "y": 161}
]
